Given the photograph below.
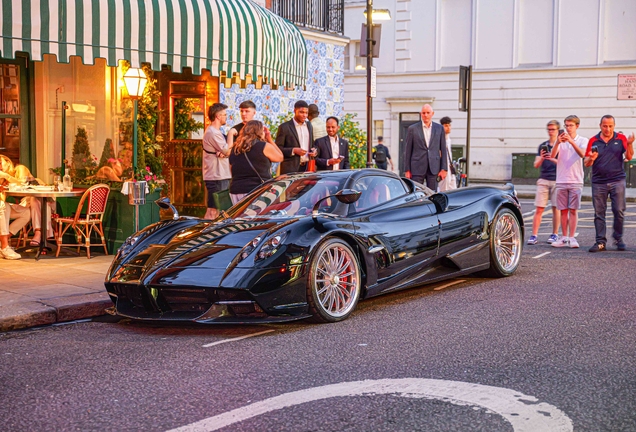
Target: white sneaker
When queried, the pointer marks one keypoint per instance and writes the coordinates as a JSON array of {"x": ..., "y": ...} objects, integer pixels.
[
  {"x": 573, "y": 243},
  {"x": 561, "y": 242},
  {"x": 9, "y": 253}
]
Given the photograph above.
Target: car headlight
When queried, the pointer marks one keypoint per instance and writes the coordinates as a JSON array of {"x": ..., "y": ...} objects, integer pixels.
[
  {"x": 249, "y": 248},
  {"x": 128, "y": 245},
  {"x": 270, "y": 247}
]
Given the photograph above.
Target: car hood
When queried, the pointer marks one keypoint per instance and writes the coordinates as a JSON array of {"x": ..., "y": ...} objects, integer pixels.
[{"x": 205, "y": 245}]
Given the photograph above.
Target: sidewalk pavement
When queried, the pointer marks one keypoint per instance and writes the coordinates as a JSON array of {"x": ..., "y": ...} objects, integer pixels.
[
  {"x": 527, "y": 191},
  {"x": 53, "y": 290}
]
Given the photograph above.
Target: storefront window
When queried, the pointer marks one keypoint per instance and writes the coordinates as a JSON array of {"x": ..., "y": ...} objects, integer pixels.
[
  {"x": 10, "y": 111},
  {"x": 10, "y": 90},
  {"x": 93, "y": 95}
]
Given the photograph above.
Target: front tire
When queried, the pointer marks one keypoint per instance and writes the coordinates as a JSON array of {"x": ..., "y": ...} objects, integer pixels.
[
  {"x": 505, "y": 244},
  {"x": 334, "y": 281}
]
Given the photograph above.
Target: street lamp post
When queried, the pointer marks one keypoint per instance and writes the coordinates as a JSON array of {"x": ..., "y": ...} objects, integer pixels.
[
  {"x": 369, "y": 16},
  {"x": 135, "y": 81}
]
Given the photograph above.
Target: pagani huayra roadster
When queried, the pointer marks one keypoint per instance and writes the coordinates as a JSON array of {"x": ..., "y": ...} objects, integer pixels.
[{"x": 311, "y": 246}]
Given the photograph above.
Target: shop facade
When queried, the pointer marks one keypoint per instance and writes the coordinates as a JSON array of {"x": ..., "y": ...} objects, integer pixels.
[{"x": 196, "y": 53}]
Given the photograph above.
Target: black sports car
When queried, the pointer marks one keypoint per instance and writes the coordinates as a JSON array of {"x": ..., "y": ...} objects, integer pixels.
[{"x": 311, "y": 245}]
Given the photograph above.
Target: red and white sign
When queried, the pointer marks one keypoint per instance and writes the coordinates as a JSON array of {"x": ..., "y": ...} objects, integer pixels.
[{"x": 626, "y": 87}]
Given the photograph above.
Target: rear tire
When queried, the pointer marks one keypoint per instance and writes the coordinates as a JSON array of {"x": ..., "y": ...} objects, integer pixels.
[
  {"x": 505, "y": 244},
  {"x": 334, "y": 281}
]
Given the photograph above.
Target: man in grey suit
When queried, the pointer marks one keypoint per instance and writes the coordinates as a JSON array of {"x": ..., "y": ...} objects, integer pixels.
[
  {"x": 426, "y": 155},
  {"x": 295, "y": 139},
  {"x": 333, "y": 151}
]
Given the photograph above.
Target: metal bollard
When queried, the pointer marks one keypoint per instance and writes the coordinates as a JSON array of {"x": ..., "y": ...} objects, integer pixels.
[{"x": 137, "y": 197}]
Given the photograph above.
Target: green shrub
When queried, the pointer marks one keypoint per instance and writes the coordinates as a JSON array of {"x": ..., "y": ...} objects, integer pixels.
[{"x": 350, "y": 130}]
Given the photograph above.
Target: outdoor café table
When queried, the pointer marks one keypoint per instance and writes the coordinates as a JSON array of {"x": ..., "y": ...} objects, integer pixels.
[{"x": 41, "y": 194}]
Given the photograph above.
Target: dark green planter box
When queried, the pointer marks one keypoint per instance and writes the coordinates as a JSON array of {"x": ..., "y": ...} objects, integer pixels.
[{"x": 119, "y": 218}]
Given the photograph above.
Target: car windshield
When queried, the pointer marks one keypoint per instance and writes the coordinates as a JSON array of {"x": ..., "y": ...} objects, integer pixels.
[{"x": 290, "y": 197}]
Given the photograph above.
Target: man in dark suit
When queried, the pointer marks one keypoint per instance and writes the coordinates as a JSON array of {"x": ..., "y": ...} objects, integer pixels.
[
  {"x": 295, "y": 139},
  {"x": 426, "y": 155},
  {"x": 333, "y": 151}
]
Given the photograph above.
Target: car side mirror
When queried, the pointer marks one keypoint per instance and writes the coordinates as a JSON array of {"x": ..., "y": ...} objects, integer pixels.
[
  {"x": 165, "y": 204},
  {"x": 346, "y": 196},
  {"x": 440, "y": 201},
  {"x": 409, "y": 183}
]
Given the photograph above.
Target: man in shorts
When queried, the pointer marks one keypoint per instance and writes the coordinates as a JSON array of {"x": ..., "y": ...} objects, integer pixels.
[
  {"x": 546, "y": 185},
  {"x": 570, "y": 148},
  {"x": 216, "y": 166}
]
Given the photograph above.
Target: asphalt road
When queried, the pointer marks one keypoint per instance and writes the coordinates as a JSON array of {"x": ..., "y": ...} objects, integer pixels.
[{"x": 557, "y": 339}]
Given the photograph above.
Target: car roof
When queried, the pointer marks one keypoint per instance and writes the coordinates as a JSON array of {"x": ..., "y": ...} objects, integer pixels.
[{"x": 342, "y": 174}]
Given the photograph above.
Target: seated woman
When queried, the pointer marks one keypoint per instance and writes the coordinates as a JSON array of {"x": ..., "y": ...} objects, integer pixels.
[
  {"x": 6, "y": 230},
  {"x": 10, "y": 173},
  {"x": 112, "y": 171},
  {"x": 251, "y": 159}
]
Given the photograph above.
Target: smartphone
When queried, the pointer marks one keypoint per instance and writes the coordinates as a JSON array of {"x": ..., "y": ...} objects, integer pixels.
[
  {"x": 594, "y": 149},
  {"x": 561, "y": 131}
]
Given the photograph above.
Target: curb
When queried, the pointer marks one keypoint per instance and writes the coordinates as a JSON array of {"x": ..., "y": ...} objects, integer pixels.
[{"x": 50, "y": 311}]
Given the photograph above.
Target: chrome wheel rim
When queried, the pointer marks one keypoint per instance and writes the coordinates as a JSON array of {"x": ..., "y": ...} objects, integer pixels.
[
  {"x": 507, "y": 242},
  {"x": 336, "y": 281}
]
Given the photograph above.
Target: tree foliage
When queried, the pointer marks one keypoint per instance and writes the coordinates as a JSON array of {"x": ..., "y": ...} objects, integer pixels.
[
  {"x": 107, "y": 153},
  {"x": 184, "y": 124},
  {"x": 272, "y": 124},
  {"x": 82, "y": 156},
  {"x": 350, "y": 130}
]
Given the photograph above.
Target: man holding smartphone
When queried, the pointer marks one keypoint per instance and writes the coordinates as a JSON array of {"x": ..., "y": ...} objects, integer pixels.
[
  {"x": 605, "y": 154},
  {"x": 546, "y": 185},
  {"x": 333, "y": 151},
  {"x": 570, "y": 149}
]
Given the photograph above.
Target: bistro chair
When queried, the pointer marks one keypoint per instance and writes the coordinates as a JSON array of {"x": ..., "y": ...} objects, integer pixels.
[{"x": 84, "y": 224}]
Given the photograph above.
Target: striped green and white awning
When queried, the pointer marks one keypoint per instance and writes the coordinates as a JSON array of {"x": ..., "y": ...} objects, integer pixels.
[{"x": 231, "y": 38}]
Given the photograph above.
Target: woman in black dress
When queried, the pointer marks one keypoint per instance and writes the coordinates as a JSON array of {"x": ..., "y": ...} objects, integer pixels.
[{"x": 251, "y": 159}]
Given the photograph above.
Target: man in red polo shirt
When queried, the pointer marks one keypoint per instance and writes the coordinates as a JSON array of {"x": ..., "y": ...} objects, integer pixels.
[{"x": 605, "y": 154}]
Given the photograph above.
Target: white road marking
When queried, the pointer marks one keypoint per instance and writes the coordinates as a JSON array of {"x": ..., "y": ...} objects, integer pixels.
[
  {"x": 237, "y": 339},
  {"x": 528, "y": 214},
  {"x": 449, "y": 284},
  {"x": 525, "y": 413},
  {"x": 541, "y": 255}
]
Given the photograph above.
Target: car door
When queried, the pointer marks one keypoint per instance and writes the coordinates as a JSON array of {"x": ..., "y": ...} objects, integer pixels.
[
  {"x": 464, "y": 236},
  {"x": 400, "y": 227}
]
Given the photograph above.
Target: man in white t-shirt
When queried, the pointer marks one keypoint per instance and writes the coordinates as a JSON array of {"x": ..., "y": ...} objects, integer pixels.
[{"x": 570, "y": 148}]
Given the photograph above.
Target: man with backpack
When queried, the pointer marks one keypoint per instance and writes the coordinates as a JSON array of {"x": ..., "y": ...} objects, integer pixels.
[{"x": 381, "y": 155}]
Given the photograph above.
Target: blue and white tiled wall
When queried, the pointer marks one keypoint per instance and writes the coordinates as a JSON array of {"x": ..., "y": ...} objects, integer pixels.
[{"x": 325, "y": 88}]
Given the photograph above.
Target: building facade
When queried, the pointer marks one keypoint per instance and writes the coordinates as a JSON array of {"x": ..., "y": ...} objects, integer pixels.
[
  {"x": 325, "y": 83},
  {"x": 533, "y": 61}
]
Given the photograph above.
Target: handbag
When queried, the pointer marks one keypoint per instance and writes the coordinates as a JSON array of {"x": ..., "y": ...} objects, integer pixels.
[{"x": 222, "y": 200}]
